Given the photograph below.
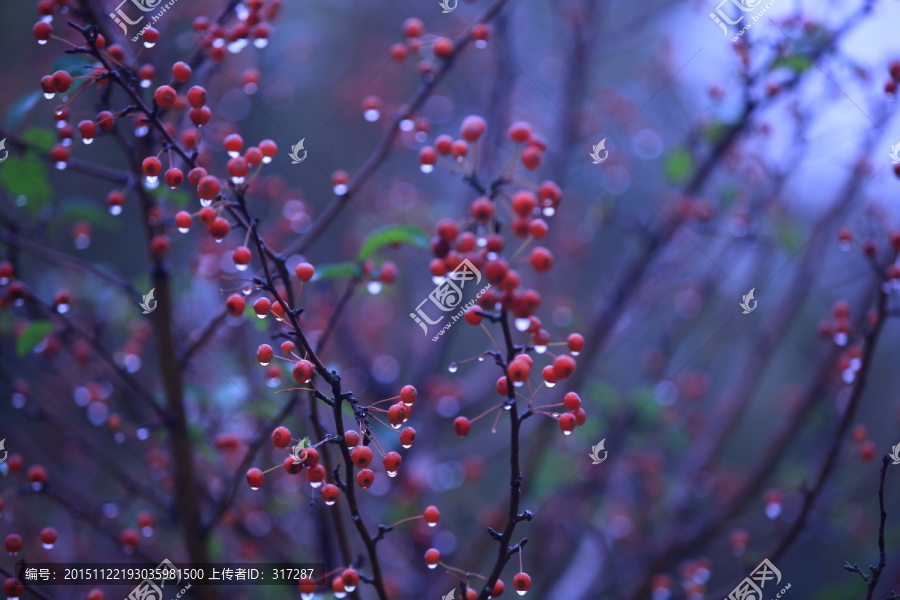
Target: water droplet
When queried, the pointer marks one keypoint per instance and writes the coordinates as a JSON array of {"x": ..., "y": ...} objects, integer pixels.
[
  {"x": 49, "y": 95},
  {"x": 480, "y": 359},
  {"x": 66, "y": 142},
  {"x": 237, "y": 45},
  {"x": 374, "y": 287},
  {"x": 47, "y": 546},
  {"x": 261, "y": 42},
  {"x": 13, "y": 553},
  {"x": 426, "y": 168},
  {"x": 432, "y": 524},
  {"x": 242, "y": 11},
  {"x": 329, "y": 503},
  {"x": 453, "y": 367},
  {"x": 61, "y": 165},
  {"x": 267, "y": 160},
  {"x": 392, "y": 473},
  {"x": 253, "y": 488},
  {"x": 840, "y": 338},
  {"x": 18, "y": 400},
  {"x": 397, "y": 426},
  {"x": 116, "y": 210},
  {"x": 37, "y": 486},
  {"x": 241, "y": 267},
  {"x": 555, "y": 415},
  {"x": 60, "y": 124},
  {"x": 573, "y": 353},
  {"x": 481, "y": 242},
  {"x": 421, "y": 136},
  {"x": 548, "y": 384},
  {"x": 848, "y": 376},
  {"x": 143, "y": 433},
  {"x": 62, "y": 308},
  {"x": 204, "y": 202},
  {"x": 549, "y": 211},
  {"x": 42, "y": 43},
  {"x": 340, "y": 189},
  {"x": 141, "y": 130},
  {"x": 845, "y": 246},
  {"x": 237, "y": 180},
  {"x": 307, "y": 596},
  {"x": 233, "y": 154},
  {"x": 152, "y": 182},
  {"x": 339, "y": 595},
  {"x": 315, "y": 484},
  {"x": 518, "y": 383},
  {"x": 371, "y": 115},
  {"x": 181, "y": 229},
  {"x": 149, "y": 44},
  {"x": 146, "y": 83},
  {"x": 540, "y": 349},
  {"x": 218, "y": 42},
  {"x": 406, "y": 125},
  {"x": 521, "y": 592},
  {"x": 522, "y": 324},
  {"x": 250, "y": 89},
  {"x": 82, "y": 241},
  {"x": 147, "y": 531},
  {"x": 481, "y": 44},
  {"x": 406, "y": 447},
  {"x": 263, "y": 364}
]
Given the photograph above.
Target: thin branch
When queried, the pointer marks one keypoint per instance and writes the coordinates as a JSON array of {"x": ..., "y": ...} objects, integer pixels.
[{"x": 872, "y": 581}]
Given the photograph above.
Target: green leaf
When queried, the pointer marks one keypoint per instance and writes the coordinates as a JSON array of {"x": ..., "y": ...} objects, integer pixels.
[
  {"x": 74, "y": 65},
  {"x": 177, "y": 197},
  {"x": 20, "y": 108},
  {"x": 26, "y": 176},
  {"x": 32, "y": 336},
  {"x": 678, "y": 165},
  {"x": 41, "y": 137},
  {"x": 335, "y": 270},
  {"x": 83, "y": 209},
  {"x": 398, "y": 234},
  {"x": 796, "y": 62}
]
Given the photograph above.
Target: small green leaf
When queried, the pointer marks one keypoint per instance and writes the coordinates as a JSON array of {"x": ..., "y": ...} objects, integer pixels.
[
  {"x": 796, "y": 62},
  {"x": 32, "y": 336},
  {"x": 74, "y": 65},
  {"x": 398, "y": 234},
  {"x": 176, "y": 197},
  {"x": 20, "y": 108},
  {"x": 41, "y": 137},
  {"x": 26, "y": 176},
  {"x": 83, "y": 209},
  {"x": 335, "y": 270},
  {"x": 678, "y": 165}
]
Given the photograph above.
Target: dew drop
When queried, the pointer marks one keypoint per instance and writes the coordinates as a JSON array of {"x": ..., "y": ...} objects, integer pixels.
[
  {"x": 261, "y": 42},
  {"x": 253, "y": 488},
  {"x": 307, "y": 596},
  {"x": 147, "y": 531},
  {"x": 432, "y": 524},
  {"x": 329, "y": 503},
  {"x": 567, "y": 433},
  {"x": 66, "y": 142},
  {"x": 61, "y": 165},
  {"x": 49, "y": 95},
  {"x": 143, "y": 433},
  {"x": 406, "y": 125},
  {"x": 434, "y": 566},
  {"x": 152, "y": 181},
  {"x": 392, "y": 473},
  {"x": 233, "y": 154},
  {"x": 145, "y": 83},
  {"x": 397, "y": 426},
  {"x": 848, "y": 376},
  {"x": 481, "y": 44},
  {"x": 549, "y": 211},
  {"x": 507, "y": 406},
  {"x": 480, "y": 359},
  {"x": 47, "y": 546},
  {"x": 518, "y": 383},
  {"x": 453, "y": 367},
  {"x": 845, "y": 246},
  {"x": 218, "y": 42},
  {"x": 263, "y": 364},
  {"x": 18, "y": 400},
  {"x": 548, "y": 384},
  {"x": 141, "y": 130},
  {"x": 340, "y": 189},
  {"x": 522, "y": 324},
  {"x": 116, "y": 210},
  {"x": 13, "y": 553},
  {"x": 242, "y": 268},
  {"x": 82, "y": 241},
  {"x": 481, "y": 242},
  {"x": 149, "y": 44},
  {"x": 421, "y": 136},
  {"x": 180, "y": 229},
  {"x": 267, "y": 160},
  {"x": 242, "y": 12},
  {"x": 237, "y": 180},
  {"x": 374, "y": 287},
  {"x": 204, "y": 202},
  {"x": 540, "y": 349},
  {"x": 406, "y": 447},
  {"x": 273, "y": 382},
  {"x": 437, "y": 280},
  {"x": 555, "y": 415},
  {"x": 840, "y": 338},
  {"x": 573, "y": 353},
  {"x": 426, "y": 168},
  {"x": 315, "y": 484},
  {"x": 855, "y": 364},
  {"x": 339, "y": 595},
  {"x": 237, "y": 45},
  {"x": 62, "y": 308},
  {"x": 40, "y": 42},
  {"x": 521, "y": 592},
  {"x": 371, "y": 115}
]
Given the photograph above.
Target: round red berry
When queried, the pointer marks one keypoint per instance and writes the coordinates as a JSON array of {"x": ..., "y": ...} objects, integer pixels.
[
  {"x": 407, "y": 437},
  {"x": 302, "y": 371},
  {"x": 208, "y": 188},
  {"x": 351, "y": 437},
  {"x": 330, "y": 493},
  {"x": 197, "y": 96},
  {"x": 432, "y": 515},
  {"x": 281, "y": 436},
  {"x": 541, "y": 259},
  {"x": 219, "y": 228},
  {"x": 567, "y": 422},
  {"x": 305, "y": 271},
  {"x": 12, "y": 588},
  {"x": 482, "y": 210},
  {"x": 461, "y": 426},
  {"x": 235, "y": 305},
  {"x": 49, "y": 536},
  {"x": 129, "y": 538},
  {"x": 365, "y": 478},
  {"x": 564, "y": 366},
  {"x": 413, "y": 27},
  {"x": 255, "y": 478},
  {"x": 432, "y": 557},
  {"x": 152, "y": 166},
  {"x": 522, "y": 583},
  {"x": 350, "y": 578},
  {"x": 408, "y": 395},
  {"x": 472, "y": 128},
  {"x": 42, "y": 31},
  {"x": 572, "y": 401},
  {"x": 262, "y": 306},
  {"x": 151, "y": 35},
  {"x": 181, "y": 71},
  {"x": 361, "y": 456},
  {"x": 520, "y": 132},
  {"x": 392, "y": 462},
  {"x": 13, "y": 543},
  {"x": 174, "y": 178},
  {"x": 165, "y": 96}
]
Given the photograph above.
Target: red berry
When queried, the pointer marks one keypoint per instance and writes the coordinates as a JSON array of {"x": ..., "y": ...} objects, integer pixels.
[
  {"x": 564, "y": 366},
  {"x": 206, "y": 216},
  {"x": 352, "y": 438},
  {"x": 576, "y": 343},
  {"x": 13, "y": 543},
  {"x": 47, "y": 85},
  {"x": 181, "y": 71},
  {"x": 253, "y": 156},
  {"x": 522, "y": 583},
  {"x": 165, "y": 96},
  {"x": 482, "y": 210},
  {"x": 302, "y": 371},
  {"x": 432, "y": 515},
  {"x": 520, "y": 132},
  {"x": 151, "y": 35},
  {"x": 572, "y": 401},
  {"x": 365, "y": 478},
  {"x": 200, "y": 116},
  {"x": 867, "y": 451},
  {"x": 268, "y": 149},
  {"x": 499, "y": 586},
  {"x": 49, "y": 537},
  {"x": 309, "y": 457},
  {"x": 197, "y": 96},
  {"x": 305, "y": 271},
  {"x": 13, "y": 588},
  {"x": 60, "y": 154},
  {"x": 42, "y": 31},
  {"x": 549, "y": 375},
  {"x": 262, "y": 306},
  {"x": 105, "y": 120},
  {"x": 392, "y": 462},
  {"x": 580, "y": 416},
  {"x": 129, "y": 538},
  {"x": 208, "y": 188},
  {"x": 315, "y": 474},
  {"x": 235, "y": 305},
  {"x": 159, "y": 245},
  {"x": 307, "y": 586},
  {"x": 408, "y": 395},
  {"x": 443, "y": 47},
  {"x": 36, "y": 475},
  {"x": 174, "y": 178},
  {"x": 219, "y": 228},
  {"x": 233, "y": 143},
  {"x": 152, "y": 166},
  {"x": 330, "y": 493},
  {"x": 472, "y": 128},
  {"x": 398, "y": 52},
  {"x": 95, "y": 594},
  {"x": 255, "y": 478},
  {"x": 432, "y": 557},
  {"x": 350, "y": 578},
  {"x": 241, "y": 256},
  {"x": 567, "y": 423},
  {"x": 413, "y": 27},
  {"x": 238, "y": 167},
  {"x": 531, "y": 157},
  {"x": 361, "y": 456},
  {"x": 841, "y": 309},
  {"x": 287, "y": 346},
  {"x": 281, "y": 437},
  {"x": 538, "y": 228},
  {"x": 501, "y": 386},
  {"x": 473, "y": 315},
  {"x": 860, "y": 433},
  {"x": 448, "y": 230},
  {"x": 88, "y": 130},
  {"x": 541, "y": 259},
  {"x": 61, "y": 81},
  {"x": 407, "y": 437},
  {"x": 518, "y": 370},
  {"x": 183, "y": 220},
  {"x": 524, "y": 203},
  {"x": 461, "y": 426}
]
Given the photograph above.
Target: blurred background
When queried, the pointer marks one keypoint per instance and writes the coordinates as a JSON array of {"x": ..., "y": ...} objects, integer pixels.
[{"x": 763, "y": 164}]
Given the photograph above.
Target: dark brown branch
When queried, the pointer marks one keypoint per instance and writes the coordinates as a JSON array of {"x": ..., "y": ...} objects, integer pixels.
[
  {"x": 73, "y": 164},
  {"x": 872, "y": 581}
]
